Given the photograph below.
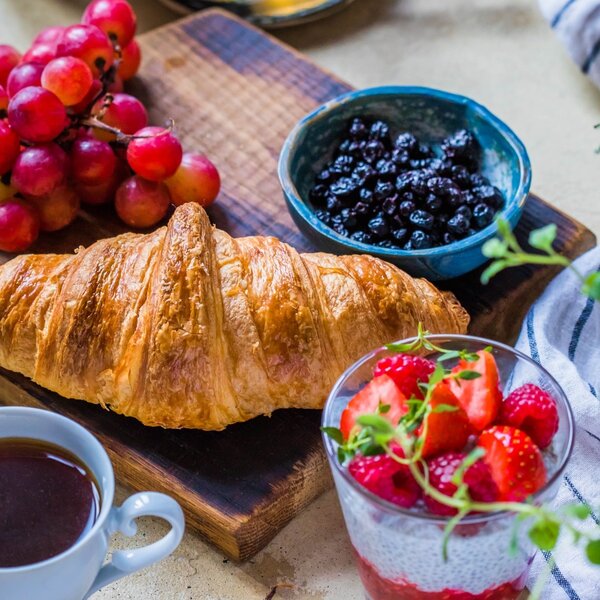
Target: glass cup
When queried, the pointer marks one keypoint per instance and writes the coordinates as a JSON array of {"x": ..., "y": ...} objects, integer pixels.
[{"x": 399, "y": 551}]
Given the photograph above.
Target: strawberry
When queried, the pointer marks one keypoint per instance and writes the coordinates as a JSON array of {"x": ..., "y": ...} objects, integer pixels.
[
  {"x": 407, "y": 371},
  {"x": 379, "y": 391},
  {"x": 532, "y": 410},
  {"x": 386, "y": 478},
  {"x": 481, "y": 398},
  {"x": 445, "y": 430},
  {"x": 478, "y": 477},
  {"x": 515, "y": 461}
]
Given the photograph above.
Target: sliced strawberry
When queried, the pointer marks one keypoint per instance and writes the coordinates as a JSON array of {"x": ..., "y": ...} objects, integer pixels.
[
  {"x": 379, "y": 391},
  {"x": 481, "y": 397},
  {"x": 478, "y": 477},
  {"x": 515, "y": 461},
  {"x": 532, "y": 410},
  {"x": 386, "y": 478},
  {"x": 445, "y": 430},
  {"x": 407, "y": 371}
]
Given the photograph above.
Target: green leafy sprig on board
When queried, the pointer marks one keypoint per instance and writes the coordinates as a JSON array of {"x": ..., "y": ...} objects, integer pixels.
[
  {"x": 375, "y": 435},
  {"x": 506, "y": 252}
]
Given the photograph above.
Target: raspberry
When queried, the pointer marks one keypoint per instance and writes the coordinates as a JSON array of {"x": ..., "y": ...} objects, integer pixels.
[
  {"x": 533, "y": 411},
  {"x": 386, "y": 478},
  {"x": 406, "y": 370},
  {"x": 478, "y": 477}
]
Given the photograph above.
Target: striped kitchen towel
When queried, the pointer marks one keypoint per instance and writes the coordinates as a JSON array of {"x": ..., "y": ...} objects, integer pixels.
[
  {"x": 562, "y": 333},
  {"x": 577, "y": 24}
]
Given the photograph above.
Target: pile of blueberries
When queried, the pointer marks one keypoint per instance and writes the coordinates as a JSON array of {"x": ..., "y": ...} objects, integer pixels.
[{"x": 400, "y": 194}]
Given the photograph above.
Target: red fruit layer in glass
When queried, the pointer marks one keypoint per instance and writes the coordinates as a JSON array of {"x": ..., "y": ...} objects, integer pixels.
[{"x": 380, "y": 588}]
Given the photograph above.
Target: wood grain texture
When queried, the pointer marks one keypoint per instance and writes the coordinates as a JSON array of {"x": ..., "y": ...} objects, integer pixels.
[{"x": 234, "y": 94}]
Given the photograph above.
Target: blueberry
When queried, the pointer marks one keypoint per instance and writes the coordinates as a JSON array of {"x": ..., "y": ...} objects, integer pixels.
[
  {"x": 324, "y": 176},
  {"x": 318, "y": 194},
  {"x": 386, "y": 169},
  {"x": 373, "y": 151},
  {"x": 362, "y": 209},
  {"x": 344, "y": 147},
  {"x": 344, "y": 187},
  {"x": 358, "y": 129},
  {"x": 489, "y": 195},
  {"x": 366, "y": 195},
  {"x": 364, "y": 172},
  {"x": 356, "y": 148},
  {"x": 433, "y": 204},
  {"x": 448, "y": 238},
  {"x": 462, "y": 148},
  {"x": 458, "y": 225},
  {"x": 386, "y": 244},
  {"x": 470, "y": 198},
  {"x": 422, "y": 219},
  {"x": 465, "y": 211},
  {"x": 378, "y": 227},
  {"x": 398, "y": 221},
  {"x": 418, "y": 183},
  {"x": 400, "y": 234},
  {"x": 362, "y": 236},
  {"x": 380, "y": 131},
  {"x": 333, "y": 204},
  {"x": 383, "y": 190},
  {"x": 348, "y": 218},
  {"x": 323, "y": 215},
  {"x": 406, "y": 208},
  {"x": 442, "y": 186},
  {"x": 390, "y": 205},
  {"x": 460, "y": 176},
  {"x": 478, "y": 180},
  {"x": 338, "y": 226},
  {"x": 406, "y": 141},
  {"x": 400, "y": 157},
  {"x": 482, "y": 216},
  {"x": 404, "y": 182},
  {"x": 455, "y": 198},
  {"x": 425, "y": 151},
  {"x": 419, "y": 240},
  {"x": 342, "y": 165}
]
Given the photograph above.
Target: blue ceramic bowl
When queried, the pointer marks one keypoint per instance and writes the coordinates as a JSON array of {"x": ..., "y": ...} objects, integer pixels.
[{"x": 431, "y": 115}]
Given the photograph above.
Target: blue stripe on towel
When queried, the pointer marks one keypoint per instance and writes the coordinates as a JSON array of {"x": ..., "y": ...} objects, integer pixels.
[
  {"x": 559, "y": 15},
  {"x": 560, "y": 578},
  {"x": 533, "y": 348},
  {"x": 581, "y": 499},
  {"x": 593, "y": 390},
  {"x": 592, "y": 56},
  {"x": 579, "y": 325},
  {"x": 592, "y": 435}
]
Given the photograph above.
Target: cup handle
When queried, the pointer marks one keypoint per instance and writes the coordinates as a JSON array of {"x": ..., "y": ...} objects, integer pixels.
[{"x": 125, "y": 562}]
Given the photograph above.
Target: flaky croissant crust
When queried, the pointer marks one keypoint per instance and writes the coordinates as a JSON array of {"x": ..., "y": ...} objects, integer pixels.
[{"x": 188, "y": 327}]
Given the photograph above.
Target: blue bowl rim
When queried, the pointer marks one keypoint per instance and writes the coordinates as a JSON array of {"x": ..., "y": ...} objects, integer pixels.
[{"x": 513, "y": 206}]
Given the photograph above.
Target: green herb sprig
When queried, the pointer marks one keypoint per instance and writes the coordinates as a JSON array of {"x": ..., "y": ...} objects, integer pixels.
[
  {"x": 506, "y": 252},
  {"x": 375, "y": 434}
]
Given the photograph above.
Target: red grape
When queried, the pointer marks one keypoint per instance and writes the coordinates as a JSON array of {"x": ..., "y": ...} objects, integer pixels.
[
  {"x": 196, "y": 180},
  {"x": 95, "y": 88},
  {"x": 69, "y": 78},
  {"x": 101, "y": 193},
  {"x": 19, "y": 225},
  {"x": 40, "y": 53},
  {"x": 115, "y": 17},
  {"x": 125, "y": 113},
  {"x": 154, "y": 153},
  {"x": 142, "y": 203},
  {"x": 24, "y": 75},
  {"x": 9, "y": 59},
  {"x": 9, "y": 147},
  {"x": 3, "y": 102},
  {"x": 57, "y": 209},
  {"x": 92, "y": 161},
  {"x": 49, "y": 35},
  {"x": 131, "y": 57},
  {"x": 88, "y": 43},
  {"x": 39, "y": 169},
  {"x": 36, "y": 114}
]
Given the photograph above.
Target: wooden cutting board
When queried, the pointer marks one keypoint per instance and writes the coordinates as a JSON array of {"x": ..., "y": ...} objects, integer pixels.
[{"x": 234, "y": 93}]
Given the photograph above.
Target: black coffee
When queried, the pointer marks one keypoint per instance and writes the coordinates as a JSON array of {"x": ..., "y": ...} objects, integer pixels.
[{"x": 48, "y": 500}]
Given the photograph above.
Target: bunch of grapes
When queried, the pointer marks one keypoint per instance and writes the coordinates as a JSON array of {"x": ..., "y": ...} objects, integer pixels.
[{"x": 69, "y": 134}]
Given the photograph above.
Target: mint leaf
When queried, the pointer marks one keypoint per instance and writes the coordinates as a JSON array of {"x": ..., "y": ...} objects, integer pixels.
[
  {"x": 494, "y": 248},
  {"x": 467, "y": 374},
  {"x": 543, "y": 238},
  {"x": 467, "y": 462},
  {"x": 448, "y": 355},
  {"x": 334, "y": 433},
  {"x": 376, "y": 422},
  {"x": 492, "y": 270},
  {"x": 442, "y": 408},
  {"x": 383, "y": 408},
  {"x": 544, "y": 534},
  {"x": 591, "y": 286},
  {"x": 578, "y": 511},
  {"x": 593, "y": 551}
]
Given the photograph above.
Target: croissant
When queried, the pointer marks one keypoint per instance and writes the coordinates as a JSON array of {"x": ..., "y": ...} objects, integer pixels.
[{"x": 188, "y": 327}]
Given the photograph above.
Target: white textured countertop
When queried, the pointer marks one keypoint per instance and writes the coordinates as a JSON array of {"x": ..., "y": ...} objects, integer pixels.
[{"x": 501, "y": 53}]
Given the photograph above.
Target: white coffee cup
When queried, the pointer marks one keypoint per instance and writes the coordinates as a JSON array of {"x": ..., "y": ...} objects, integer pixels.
[{"x": 79, "y": 572}]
